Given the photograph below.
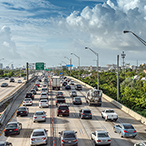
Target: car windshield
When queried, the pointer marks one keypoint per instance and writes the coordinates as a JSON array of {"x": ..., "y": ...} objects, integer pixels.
[
  {"x": 44, "y": 89},
  {"x": 21, "y": 109},
  {"x": 63, "y": 108},
  {"x": 38, "y": 133},
  {"x": 59, "y": 93},
  {"x": 60, "y": 100},
  {"x": 87, "y": 111},
  {"x": 28, "y": 94},
  {"x": 69, "y": 135},
  {"x": 44, "y": 94},
  {"x": 78, "y": 99},
  {"x": 110, "y": 111},
  {"x": 103, "y": 135},
  {"x": 44, "y": 101},
  {"x": 128, "y": 127},
  {"x": 11, "y": 125},
  {"x": 78, "y": 85},
  {"x": 39, "y": 113},
  {"x": 73, "y": 91},
  {"x": 27, "y": 99}
]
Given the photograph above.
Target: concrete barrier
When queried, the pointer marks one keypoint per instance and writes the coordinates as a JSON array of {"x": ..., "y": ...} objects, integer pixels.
[{"x": 116, "y": 103}]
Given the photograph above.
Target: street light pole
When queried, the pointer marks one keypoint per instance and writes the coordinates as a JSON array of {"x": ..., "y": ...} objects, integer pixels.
[
  {"x": 78, "y": 62},
  {"x": 97, "y": 65}
]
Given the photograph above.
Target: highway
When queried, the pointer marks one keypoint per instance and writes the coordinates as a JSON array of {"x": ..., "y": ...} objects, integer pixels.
[{"x": 84, "y": 127}]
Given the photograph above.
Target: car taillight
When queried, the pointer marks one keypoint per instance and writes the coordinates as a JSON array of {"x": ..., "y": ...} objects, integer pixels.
[
  {"x": 25, "y": 95},
  {"x": 30, "y": 101},
  {"x": 35, "y": 117},
  {"x": 107, "y": 117},
  {"x": 56, "y": 94},
  {"x": 75, "y": 140},
  {"x": 43, "y": 116},
  {"x": 83, "y": 114},
  {"x": 63, "y": 140},
  {"x": 24, "y": 111},
  {"x": 43, "y": 138},
  {"x": 56, "y": 101},
  {"x": 5, "y": 130},
  {"x": 98, "y": 140},
  {"x": 32, "y": 139},
  {"x": 90, "y": 114},
  {"x": 23, "y": 102},
  {"x": 15, "y": 129},
  {"x": 109, "y": 140},
  {"x": 125, "y": 131},
  {"x": 134, "y": 131},
  {"x": 64, "y": 101},
  {"x": 17, "y": 112}
]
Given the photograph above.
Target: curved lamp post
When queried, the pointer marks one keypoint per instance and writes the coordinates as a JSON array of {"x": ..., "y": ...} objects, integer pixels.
[
  {"x": 78, "y": 62},
  {"x": 97, "y": 65}
]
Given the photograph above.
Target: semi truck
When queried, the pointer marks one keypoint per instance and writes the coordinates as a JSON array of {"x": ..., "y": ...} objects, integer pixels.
[
  {"x": 94, "y": 96},
  {"x": 56, "y": 82}
]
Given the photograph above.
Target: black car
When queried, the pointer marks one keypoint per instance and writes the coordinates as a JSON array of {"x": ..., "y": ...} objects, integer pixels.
[
  {"x": 29, "y": 95},
  {"x": 68, "y": 138},
  {"x": 5, "y": 143},
  {"x": 77, "y": 100},
  {"x": 59, "y": 94},
  {"x": 67, "y": 87},
  {"x": 35, "y": 87},
  {"x": 4, "y": 84},
  {"x": 13, "y": 128},
  {"x": 85, "y": 114},
  {"x": 22, "y": 111},
  {"x": 60, "y": 101},
  {"x": 78, "y": 87},
  {"x": 33, "y": 91},
  {"x": 12, "y": 80}
]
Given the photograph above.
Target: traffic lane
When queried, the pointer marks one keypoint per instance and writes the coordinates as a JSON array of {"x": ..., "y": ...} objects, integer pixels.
[
  {"x": 28, "y": 125},
  {"x": 97, "y": 123},
  {"x": 70, "y": 123}
]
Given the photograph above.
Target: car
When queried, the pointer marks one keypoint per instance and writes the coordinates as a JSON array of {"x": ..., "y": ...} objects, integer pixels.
[
  {"x": 37, "y": 84},
  {"x": 5, "y": 143},
  {"x": 85, "y": 114},
  {"x": 12, "y": 128},
  {"x": 140, "y": 144},
  {"x": 29, "y": 95},
  {"x": 39, "y": 116},
  {"x": 73, "y": 93},
  {"x": 22, "y": 111},
  {"x": 35, "y": 87},
  {"x": 33, "y": 91},
  {"x": 38, "y": 137},
  {"x": 67, "y": 87},
  {"x": 64, "y": 83},
  {"x": 125, "y": 130},
  {"x": 68, "y": 138},
  {"x": 27, "y": 101},
  {"x": 6, "y": 78},
  {"x": 12, "y": 80},
  {"x": 44, "y": 95},
  {"x": 101, "y": 138},
  {"x": 77, "y": 100},
  {"x": 19, "y": 81},
  {"x": 60, "y": 101},
  {"x": 63, "y": 110},
  {"x": 4, "y": 85},
  {"x": 39, "y": 80},
  {"x": 59, "y": 94},
  {"x": 78, "y": 87},
  {"x": 71, "y": 82},
  {"x": 43, "y": 103},
  {"x": 24, "y": 78},
  {"x": 45, "y": 89},
  {"x": 44, "y": 85}
]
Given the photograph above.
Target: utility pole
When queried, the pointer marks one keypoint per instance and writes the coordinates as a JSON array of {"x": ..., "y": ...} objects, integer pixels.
[{"x": 118, "y": 90}]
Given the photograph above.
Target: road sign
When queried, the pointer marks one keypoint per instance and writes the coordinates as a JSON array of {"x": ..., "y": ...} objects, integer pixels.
[
  {"x": 69, "y": 65},
  {"x": 39, "y": 66},
  {"x": 50, "y": 69},
  {"x": 61, "y": 73}
]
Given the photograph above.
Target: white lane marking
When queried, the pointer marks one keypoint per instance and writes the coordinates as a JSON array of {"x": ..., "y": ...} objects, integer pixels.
[{"x": 81, "y": 131}]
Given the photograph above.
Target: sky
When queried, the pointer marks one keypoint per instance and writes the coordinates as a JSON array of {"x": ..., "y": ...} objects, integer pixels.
[{"x": 48, "y": 30}]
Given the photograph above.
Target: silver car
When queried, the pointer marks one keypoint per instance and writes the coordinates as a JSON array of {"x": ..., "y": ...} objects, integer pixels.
[
  {"x": 44, "y": 95},
  {"x": 38, "y": 137},
  {"x": 140, "y": 144},
  {"x": 73, "y": 94},
  {"x": 43, "y": 103},
  {"x": 27, "y": 101},
  {"x": 39, "y": 116},
  {"x": 101, "y": 138}
]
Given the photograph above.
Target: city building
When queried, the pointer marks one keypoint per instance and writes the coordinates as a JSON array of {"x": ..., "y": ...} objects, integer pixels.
[{"x": 1, "y": 66}]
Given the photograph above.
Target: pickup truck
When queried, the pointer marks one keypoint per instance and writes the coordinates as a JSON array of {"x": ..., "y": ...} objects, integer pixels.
[{"x": 109, "y": 114}]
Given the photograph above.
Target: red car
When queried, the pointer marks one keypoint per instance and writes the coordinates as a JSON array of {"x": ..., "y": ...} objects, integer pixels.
[
  {"x": 38, "y": 85},
  {"x": 63, "y": 110}
]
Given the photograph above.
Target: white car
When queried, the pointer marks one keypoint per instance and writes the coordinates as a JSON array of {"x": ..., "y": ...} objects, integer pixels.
[
  {"x": 73, "y": 93},
  {"x": 27, "y": 101},
  {"x": 43, "y": 103},
  {"x": 19, "y": 81},
  {"x": 45, "y": 89},
  {"x": 71, "y": 82},
  {"x": 39, "y": 116},
  {"x": 101, "y": 138},
  {"x": 109, "y": 114},
  {"x": 44, "y": 95},
  {"x": 38, "y": 137},
  {"x": 140, "y": 144}
]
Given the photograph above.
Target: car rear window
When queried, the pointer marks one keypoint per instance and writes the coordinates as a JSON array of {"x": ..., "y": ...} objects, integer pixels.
[
  {"x": 11, "y": 125},
  {"x": 128, "y": 127},
  {"x": 29, "y": 94},
  {"x": 21, "y": 109},
  {"x": 69, "y": 135},
  {"x": 110, "y": 111},
  {"x": 103, "y": 135},
  {"x": 44, "y": 94},
  {"x": 39, "y": 133},
  {"x": 44, "y": 101},
  {"x": 39, "y": 113},
  {"x": 87, "y": 111},
  {"x": 63, "y": 108},
  {"x": 60, "y": 100},
  {"x": 27, "y": 99},
  {"x": 78, "y": 99}
]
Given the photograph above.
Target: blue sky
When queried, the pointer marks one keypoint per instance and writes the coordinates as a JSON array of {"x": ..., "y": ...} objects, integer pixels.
[{"x": 47, "y": 30}]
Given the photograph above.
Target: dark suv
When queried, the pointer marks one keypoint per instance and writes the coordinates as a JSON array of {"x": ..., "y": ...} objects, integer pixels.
[
  {"x": 22, "y": 111},
  {"x": 29, "y": 95},
  {"x": 63, "y": 110},
  {"x": 85, "y": 113},
  {"x": 12, "y": 80}
]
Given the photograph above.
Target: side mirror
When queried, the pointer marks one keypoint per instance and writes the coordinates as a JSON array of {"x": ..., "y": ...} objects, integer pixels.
[{"x": 46, "y": 130}]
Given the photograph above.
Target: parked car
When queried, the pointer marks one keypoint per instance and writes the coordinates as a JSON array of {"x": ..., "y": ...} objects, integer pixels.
[
  {"x": 78, "y": 87},
  {"x": 22, "y": 111},
  {"x": 101, "y": 138},
  {"x": 125, "y": 130},
  {"x": 85, "y": 113},
  {"x": 33, "y": 91},
  {"x": 27, "y": 101},
  {"x": 60, "y": 101},
  {"x": 29, "y": 95},
  {"x": 71, "y": 82},
  {"x": 63, "y": 110},
  {"x": 43, "y": 103},
  {"x": 44, "y": 95},
  {"x": 12, "y": 128},
  {"x": 140, "y": 144},
  {"x": 109, "y": 114},
  {"x": 4, "y": 85},
  {"x": 77, "y": 100},
  {"x": 38, "y": 137},
  {"x": 67, "y": 87},
  {"x": 39, "y": 116},
  {"x": 36, "y": 88},
  {"x": 59, "y": 94},
  {"x": 12, "y": 80},
  {"x": 5, "y": 143},
  {"x": 68, "y": 138},
  {"x": 73, "y": 93},
  {"x": 19, "y": 81}
]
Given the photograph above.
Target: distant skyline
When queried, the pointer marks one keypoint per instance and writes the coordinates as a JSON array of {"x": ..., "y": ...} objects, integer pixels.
[{"x": 47, "y": 30}]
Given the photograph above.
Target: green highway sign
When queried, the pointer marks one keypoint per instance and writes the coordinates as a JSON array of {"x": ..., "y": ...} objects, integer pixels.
[
  {"x": 39, "y": 66},
  {"x": 50, "y": 69}
]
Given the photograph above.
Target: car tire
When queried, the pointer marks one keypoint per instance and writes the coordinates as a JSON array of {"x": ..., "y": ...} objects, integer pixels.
[
  {"x": 121, "y": 135},
  {"x": 57, "y": 115},
  {"x": 134, "y": 136},
  {"x": 115, "y": 130}
]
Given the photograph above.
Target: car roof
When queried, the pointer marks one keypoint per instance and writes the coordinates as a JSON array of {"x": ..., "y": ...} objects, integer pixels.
[
  {"x": 27, "y": 99},
  {"x": 68, "y": 131},
  {"x": 86, "y": 110},
  {"x": 12, "y": 122},
  {"x": 43, "y": 100},
  {"x": 100, "y": 131},
  {"x": 2, "y": 142}
]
